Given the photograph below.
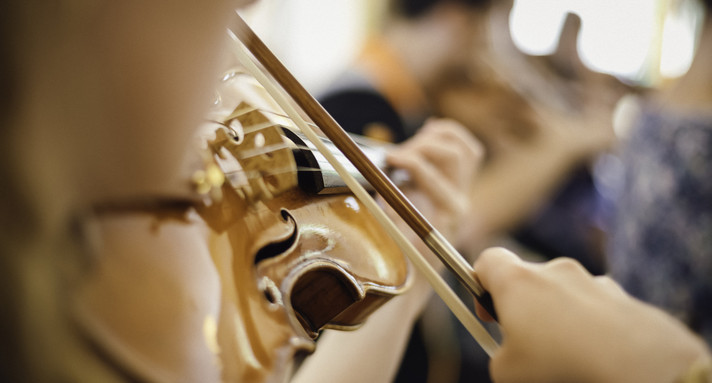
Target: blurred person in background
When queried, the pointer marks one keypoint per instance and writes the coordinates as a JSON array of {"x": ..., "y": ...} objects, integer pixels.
[
  {"x": 435, "y": 58},
  {"x": 386, "y": 94},
  {"x": 543, "y": 120},
  {"x": 660, "y": 247}
]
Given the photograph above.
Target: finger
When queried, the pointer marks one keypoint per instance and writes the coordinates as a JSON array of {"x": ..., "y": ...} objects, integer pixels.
[
  {"x": 610, "y": 285},
  {"x": 567, "y": 270},
  {"x": 494, "y": 267},
  {"x": 503, "y": 368},
  {"x": 428, "y": 179},
  {"x": 450, "y": 162},
  {"x": 448, "y": 146},
  {"x": 565, "y": 265},
  {"x": 453, "y": 132}
]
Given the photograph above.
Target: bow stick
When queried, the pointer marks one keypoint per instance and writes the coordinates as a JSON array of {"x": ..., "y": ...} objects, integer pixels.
[{"x": 380, "y": 182}]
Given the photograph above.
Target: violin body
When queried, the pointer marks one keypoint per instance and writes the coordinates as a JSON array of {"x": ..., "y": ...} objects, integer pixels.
[
  {"x": 292, "y": 267},
  {"x": 239, "y": 283},
  {"x": 293, "y": 262}
]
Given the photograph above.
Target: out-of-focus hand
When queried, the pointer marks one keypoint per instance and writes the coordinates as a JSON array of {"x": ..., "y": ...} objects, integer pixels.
[
  {"x": 561, "y": 324},
  {"x": 443, "y": 160}
]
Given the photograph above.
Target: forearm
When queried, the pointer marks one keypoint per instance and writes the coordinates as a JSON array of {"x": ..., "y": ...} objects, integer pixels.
[{"x": 513, "y": 187}]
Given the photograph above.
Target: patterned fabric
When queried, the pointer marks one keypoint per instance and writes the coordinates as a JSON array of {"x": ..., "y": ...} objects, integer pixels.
[{"x": 661, "y": 240}]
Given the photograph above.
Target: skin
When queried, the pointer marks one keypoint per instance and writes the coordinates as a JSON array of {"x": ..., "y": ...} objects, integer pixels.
[
  {"x": 109, "y": 116},
  {"x": 139, "y": 84},
  {"x": 442, "y": 161},
  {"x": 591, "y": 329},
  {"x": 71, "y": 81},
  {"x": 561, "y": 324}
]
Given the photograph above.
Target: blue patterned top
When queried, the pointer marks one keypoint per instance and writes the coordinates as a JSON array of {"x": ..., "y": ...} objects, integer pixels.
[{"x": 660, "y": 246}]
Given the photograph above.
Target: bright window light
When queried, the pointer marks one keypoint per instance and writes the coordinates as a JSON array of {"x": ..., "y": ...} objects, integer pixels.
[
  {"x": 679, "y": 37},
  {"x": 536, "y": 25},
  {"x": 315, "y": 39},
  {"x": 623, "y": 38}
]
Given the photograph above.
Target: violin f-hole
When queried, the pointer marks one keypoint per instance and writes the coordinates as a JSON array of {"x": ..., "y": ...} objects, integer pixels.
[{"x": 276, "y": 248}]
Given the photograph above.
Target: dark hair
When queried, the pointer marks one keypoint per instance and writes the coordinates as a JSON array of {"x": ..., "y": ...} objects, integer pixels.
[
  {"x": 6, "y": 59},
  {"x": 11, "y": 210},
  {"x": 416, "y": 8},
  {"x": 16, "y": 217}
]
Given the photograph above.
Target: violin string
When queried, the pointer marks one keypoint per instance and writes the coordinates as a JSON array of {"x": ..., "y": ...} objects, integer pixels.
[
  {"x": 258, "y": 151},
  {"x": 261, "y": 150},
  {"x": 251, "y": 174},
  {"x": 271, "y": 148},
  {"x": 310, "y": 124},
  {"x": 271, "y": 112},
  {"x": 263, "y": 125},
  {"x": 256, "y": 128},
  {"x": 479, "y": 333}
]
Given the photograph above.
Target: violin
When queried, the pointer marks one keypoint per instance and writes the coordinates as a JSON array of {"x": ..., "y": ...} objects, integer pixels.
[
  {"x": 296, "y": 256},
  {"x": 395, "y": 198},
  {"x": 262, "y": 258},
  {"x": 342, "y": 315},
  {"x": 375, "y": 176}
]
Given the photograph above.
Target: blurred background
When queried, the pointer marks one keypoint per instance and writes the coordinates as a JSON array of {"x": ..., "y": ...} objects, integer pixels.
[
  {"x": 594, "y": 117},
  {"x": 642, "y": 41}
]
